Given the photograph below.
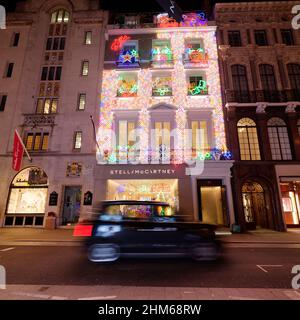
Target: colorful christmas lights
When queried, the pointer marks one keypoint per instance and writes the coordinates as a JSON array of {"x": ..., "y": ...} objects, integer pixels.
[{"x": 119, "y": 42}]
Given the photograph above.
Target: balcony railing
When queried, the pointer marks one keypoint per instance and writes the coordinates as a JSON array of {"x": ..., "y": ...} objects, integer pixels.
[
  {"x": 34, "y": 120},
  {"x": 262, "y": 96}
]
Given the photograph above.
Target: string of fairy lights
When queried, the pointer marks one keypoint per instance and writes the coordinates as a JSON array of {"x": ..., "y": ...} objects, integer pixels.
[{"x": 135, "y": 92}]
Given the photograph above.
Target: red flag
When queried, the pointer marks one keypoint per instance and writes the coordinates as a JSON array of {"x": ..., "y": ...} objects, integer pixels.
[{"x": 18, "y": 152}]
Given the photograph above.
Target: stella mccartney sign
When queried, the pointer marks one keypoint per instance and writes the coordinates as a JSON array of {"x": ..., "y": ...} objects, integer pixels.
[{"x": 142, "y": 172}]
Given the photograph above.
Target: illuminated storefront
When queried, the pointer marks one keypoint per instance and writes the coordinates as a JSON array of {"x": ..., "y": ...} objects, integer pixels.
[
  {"x": 290, "y": 192},
  {"x": 27, "y": 198}
]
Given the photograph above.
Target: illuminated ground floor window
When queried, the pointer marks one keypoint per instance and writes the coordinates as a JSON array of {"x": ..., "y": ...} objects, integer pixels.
[
  {"x": 27, "y": 198},
  {"x": 164, "y": 190},
  {"x": 290, "y": 191}
]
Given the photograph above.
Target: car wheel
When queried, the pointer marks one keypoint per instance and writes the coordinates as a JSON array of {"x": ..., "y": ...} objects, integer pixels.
[
  {"x": 104, "y": 252},
  {"x": 204, "y": 252}
]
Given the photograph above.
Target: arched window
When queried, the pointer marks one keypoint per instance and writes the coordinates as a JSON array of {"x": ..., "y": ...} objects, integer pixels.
[
  {"x": 60, "y": 16},
  {"x": 279, "y": 139},
  {"x": 268, "y": 81},
  {"x": 248, "y": 140},
  {"x": 294, "y": 76},
  {"x": 240, "y": 82}
]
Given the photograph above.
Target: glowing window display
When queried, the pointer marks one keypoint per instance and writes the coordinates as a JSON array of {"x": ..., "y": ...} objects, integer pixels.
[
  {"x": 162, "y": 86},
  {"x": 127, "y": 85},
  {"x": 164, "y": 190},
  {"x": 28, "y": 192},
  {"x": 161, "y": 53}
]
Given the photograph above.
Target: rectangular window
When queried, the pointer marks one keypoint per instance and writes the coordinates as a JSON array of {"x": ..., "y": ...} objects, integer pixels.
[
  {"x": 62, "y": 43},
  {"x": 49, "y": 44},
  {"x": 85, "y": 68},
  {"x": 9, "y": 71},
  {"x": 55, "y": 43},
  {"x": 126, "y": 133},
  {"x": 58, "y": 74},
  {"x": 16, "y": 38},
  {"x": 234, "y": 38},
  {"x": 44, "y": 73},
  {"x": 45, "y": 141},
  {"x": 162, "y": 85},
  {"x": 261, "y": 37},
  {"x": 161, "y": 51},
  {"x": 88, "y": 37},
  {"x": 29, "y": 141},
  {"x": 54, "y": 105},
  {"x": 77, "y": 140},
  {"x": 81, "y": 101},
  {"x": 287, "y": 37},
  {"x": 46, "y": 106},
  {"x": 197, "y": 86},
  {"x": 51, "y": 73},
  {"x": 3, "y": 99},
  {"x": 199, "y": 137},
  {"x": 37, "y": 141}
]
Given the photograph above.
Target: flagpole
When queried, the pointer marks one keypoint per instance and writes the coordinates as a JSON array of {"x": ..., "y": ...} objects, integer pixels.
[
  {"x": 95, "y": 135},
  {"x": 21, "y": 141}
]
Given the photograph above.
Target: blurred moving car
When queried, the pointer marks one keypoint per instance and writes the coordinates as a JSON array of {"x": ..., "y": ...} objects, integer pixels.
[{"x": 145, "y": 229}]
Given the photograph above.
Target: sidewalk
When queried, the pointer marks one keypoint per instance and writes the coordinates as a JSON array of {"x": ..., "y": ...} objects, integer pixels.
[{"x": 28, "y": 236}]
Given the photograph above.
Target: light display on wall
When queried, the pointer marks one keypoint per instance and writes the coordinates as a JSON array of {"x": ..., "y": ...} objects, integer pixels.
[
  {"x": 162, "y": 86},
  {"x": 192, "y": 19},
  {"x": 199, "y": 88},
  {"x": 119, "y": 42},
  {"x": 197, "y": 56},
  {"x": 143, "y": 98},
  {"x": 128, "y": 58},
  {"x": 161, "y": 54},
  {"x": 127, "y": 87}
]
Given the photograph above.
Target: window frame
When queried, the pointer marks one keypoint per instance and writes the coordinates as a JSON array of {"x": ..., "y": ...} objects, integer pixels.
[
  {"x": 9, "y": 69},
  {"x": 257, "y": 36},
  {"x": 251, "y": 151},
  {"x": 291, "y": 40},
  {"x": 3, "y": 102},
  {"x": 234, "y": 35},
  {"x": 42, "y": 138},
  {"x": 81, "y": 94},
  {"x": 83, "y": 63},
  {"x": 86, "y": 33},
  {"x": 76, "y": 134}
]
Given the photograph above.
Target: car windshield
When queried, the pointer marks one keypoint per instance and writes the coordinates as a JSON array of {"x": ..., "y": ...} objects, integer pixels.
[{"x": 141, "y": 211}]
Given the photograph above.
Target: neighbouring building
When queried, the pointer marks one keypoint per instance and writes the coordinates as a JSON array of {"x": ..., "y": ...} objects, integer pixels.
[
  {"x": 51, "y": 55},
  {"x": 160, "y": 109},
  {"x": 259, "y": 55}
]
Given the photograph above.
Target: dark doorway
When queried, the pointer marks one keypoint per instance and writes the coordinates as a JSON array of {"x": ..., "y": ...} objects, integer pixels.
[{"x": 71, "y": 206}]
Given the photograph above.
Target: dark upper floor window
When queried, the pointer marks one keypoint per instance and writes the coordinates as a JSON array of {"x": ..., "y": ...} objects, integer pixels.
[
  {"x": 234, "y": 38},
  {"x": 268, "y": 79},
  {"x": 287, "y": 37},
  {"x": 56, "y": 43},
  {"x": 294, "y": 75},
  {"x": 9, "y": 70},
  {"x": 51, "y": 73},
  {"x": 261, "y": 37},
  {"x": 16, "y": 38},
  {"x": 240, "y": 82},
  {"x": 3, "y": 99}
]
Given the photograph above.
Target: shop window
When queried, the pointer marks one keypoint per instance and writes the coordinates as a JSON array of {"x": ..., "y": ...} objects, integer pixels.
[
  {"x": 279, "y": 139},
  {"x": 162, "y": 85},
  {"x": 290, "y": 191},
  {"x": 197, "y": 86},
  {"x": 163, "y": 190},
  {"x": 27, "y": 197},
  {"x": 127, "y": 85},
  {"x": 248, "y": 140}
]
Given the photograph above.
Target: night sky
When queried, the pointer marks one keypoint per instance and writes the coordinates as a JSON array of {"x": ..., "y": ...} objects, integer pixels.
[{"x": 136, "y": 5}]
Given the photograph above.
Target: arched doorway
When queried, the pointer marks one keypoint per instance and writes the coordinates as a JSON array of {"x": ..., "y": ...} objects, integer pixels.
[
  {"x": 255, "y": 206},
  {"x": 27, "y": 198}
]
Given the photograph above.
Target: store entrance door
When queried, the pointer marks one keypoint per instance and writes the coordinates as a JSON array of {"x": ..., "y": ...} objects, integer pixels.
[
  {"x": 71, "y": 206},
  {"x": 212, "y": 202}
]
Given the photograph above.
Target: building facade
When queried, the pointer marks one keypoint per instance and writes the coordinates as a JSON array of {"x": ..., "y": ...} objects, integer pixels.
[
  {"x": 259, "y": 54},
  {"x": 161, "y": 134},
  {"x": 51, "y": 60}
]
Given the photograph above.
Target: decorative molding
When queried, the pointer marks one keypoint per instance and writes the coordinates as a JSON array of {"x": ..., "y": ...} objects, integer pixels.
[
  {"x": 291, "y": 108},
  {"x": 261, "y": 108},
  {"x": 39, "y": 120}
]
